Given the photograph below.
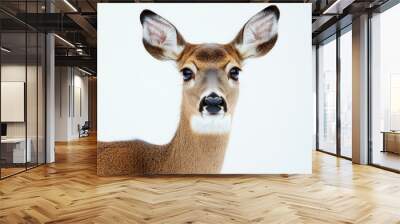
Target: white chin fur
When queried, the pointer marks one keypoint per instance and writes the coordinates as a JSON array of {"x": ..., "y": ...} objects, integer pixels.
[{"x": 211, "y": 124}]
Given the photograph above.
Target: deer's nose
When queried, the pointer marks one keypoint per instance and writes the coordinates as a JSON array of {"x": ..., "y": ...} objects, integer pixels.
[
  {"x": 213, "y": 103},
  {"x": 213, "y": 100}
]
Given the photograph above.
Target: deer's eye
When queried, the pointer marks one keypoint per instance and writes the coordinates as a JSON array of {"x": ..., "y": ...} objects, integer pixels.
[
  {"x": 234, "y": 73},
  {"x": 187, "y": 74}
]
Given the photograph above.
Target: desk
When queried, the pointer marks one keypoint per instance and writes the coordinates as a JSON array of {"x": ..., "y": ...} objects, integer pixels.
[
  {"x": 391, "y": 141},
  {"x": 15, "y": 148}
]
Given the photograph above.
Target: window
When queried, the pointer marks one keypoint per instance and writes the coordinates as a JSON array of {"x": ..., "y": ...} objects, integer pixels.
[
  {"x": 385, "y": 89},
  {"x": 346, "y": 94},
  {"x": 333, "y": 77},
  {"x": 327, "y": 97}
]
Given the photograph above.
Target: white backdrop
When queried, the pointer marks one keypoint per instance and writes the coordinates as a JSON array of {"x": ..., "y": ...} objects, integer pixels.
[{"x": 139, "y": 96}]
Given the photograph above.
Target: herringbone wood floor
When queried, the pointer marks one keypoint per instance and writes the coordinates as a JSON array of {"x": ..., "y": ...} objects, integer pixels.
[{"x": 70, "y": 192}]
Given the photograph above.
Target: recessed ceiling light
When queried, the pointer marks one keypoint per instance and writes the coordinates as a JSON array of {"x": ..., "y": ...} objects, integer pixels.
[
  {"x": 337, "y": 7},
  {"x": 84, "y": 71},
  {"x": 5, "y": 50},
  {"x": 70, "y": 5},
  {"x": 65, "y": 41}
]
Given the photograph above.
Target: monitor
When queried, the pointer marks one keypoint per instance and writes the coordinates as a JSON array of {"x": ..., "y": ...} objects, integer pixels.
[{"x": 3, "y": 129}]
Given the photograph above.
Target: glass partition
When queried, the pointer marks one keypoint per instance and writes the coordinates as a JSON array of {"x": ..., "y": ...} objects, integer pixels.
[
  {"x": 22, "y": 77},
  {"x": 14, "y": 155},
  {"x": 32, "y": 95}
]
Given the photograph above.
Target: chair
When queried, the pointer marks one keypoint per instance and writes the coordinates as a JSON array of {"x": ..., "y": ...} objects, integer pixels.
[{"x": 84, "y": 130}]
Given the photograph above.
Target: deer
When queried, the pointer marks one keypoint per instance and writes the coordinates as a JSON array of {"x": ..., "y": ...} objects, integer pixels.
[{"x": 210, "y": 89}]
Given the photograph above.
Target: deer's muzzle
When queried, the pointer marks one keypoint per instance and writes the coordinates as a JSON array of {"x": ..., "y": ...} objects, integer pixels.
[{"x": 213, "y": 104}]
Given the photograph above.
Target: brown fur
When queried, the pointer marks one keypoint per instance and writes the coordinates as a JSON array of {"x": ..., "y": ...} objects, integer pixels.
[{"x": 187, "y": 153}]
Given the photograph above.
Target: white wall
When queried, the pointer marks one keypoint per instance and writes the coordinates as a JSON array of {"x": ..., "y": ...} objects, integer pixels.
[
  {"x": 17, "y": 73},
  {"x": 61, "y": 103},
  {"x": 69, "y": 82}
]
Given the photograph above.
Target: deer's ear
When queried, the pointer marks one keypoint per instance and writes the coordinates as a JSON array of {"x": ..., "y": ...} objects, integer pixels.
[
  {"x": 160, "y": 37},
  {"x": 258, "y": 36}
]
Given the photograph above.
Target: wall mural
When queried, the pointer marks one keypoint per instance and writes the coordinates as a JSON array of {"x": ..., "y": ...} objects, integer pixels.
[{"x": 153, "y": 122}]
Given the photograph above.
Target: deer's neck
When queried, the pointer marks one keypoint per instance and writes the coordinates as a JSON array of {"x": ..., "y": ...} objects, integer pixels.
[{"x": 192, "y": 152}]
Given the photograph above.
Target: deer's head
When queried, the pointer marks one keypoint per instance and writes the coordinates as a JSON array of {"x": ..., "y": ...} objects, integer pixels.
[{"x": 210, "y": 72}]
